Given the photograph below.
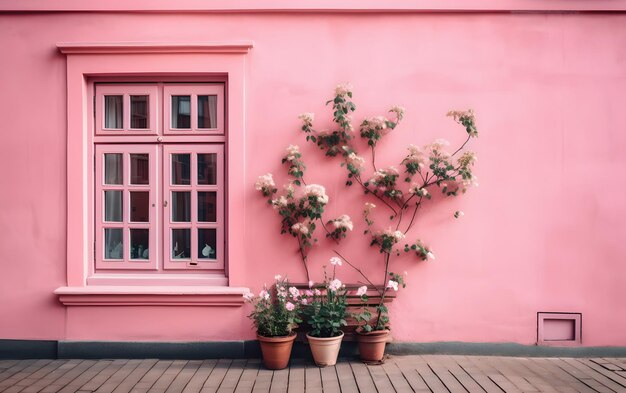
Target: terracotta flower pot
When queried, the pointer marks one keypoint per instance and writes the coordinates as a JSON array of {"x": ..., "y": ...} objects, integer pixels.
[
  {"x": 276, "y": 350},
  {"x": 372, "y": 345},
  {"x": 325, "y": 349}
]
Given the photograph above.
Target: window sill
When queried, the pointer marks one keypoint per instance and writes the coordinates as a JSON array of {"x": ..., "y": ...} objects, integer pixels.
[{"x": 151, "y": 296}]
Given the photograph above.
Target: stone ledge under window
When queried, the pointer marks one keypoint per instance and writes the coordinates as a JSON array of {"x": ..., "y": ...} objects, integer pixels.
[{"x": 151, "y": 296}]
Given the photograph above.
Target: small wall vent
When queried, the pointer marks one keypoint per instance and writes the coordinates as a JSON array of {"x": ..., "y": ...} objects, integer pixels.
[{"x": 559, "y": 328}]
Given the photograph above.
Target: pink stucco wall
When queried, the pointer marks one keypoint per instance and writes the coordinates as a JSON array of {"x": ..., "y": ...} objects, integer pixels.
[{"x": 543, "y": 232}]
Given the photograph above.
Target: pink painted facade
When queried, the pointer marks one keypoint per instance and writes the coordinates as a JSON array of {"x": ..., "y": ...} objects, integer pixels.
[{"x": 544, "y": 231}]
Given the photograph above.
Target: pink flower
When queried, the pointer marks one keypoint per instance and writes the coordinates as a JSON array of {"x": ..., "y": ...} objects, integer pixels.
[
  {"x": 304, "y": 301},
  {"x": 294, "y": 292},
  {"x": 361, "y": 291},
  {"x": 334, "y": 285},
  {"x": 264, "y": 295},
  {"x": 308, "y": 292},
  {"x": 317, "y": 292},
  {"x": 289, "y": 306},
  {"x": 392, "y": 285},
  {"x": 311, "y": 284}
]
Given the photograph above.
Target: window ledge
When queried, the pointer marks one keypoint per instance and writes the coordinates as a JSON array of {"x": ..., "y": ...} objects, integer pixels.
[{"x": 151, "y": 295}]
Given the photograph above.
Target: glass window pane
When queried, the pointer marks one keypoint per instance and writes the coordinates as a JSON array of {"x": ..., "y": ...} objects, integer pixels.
[
  {"x": 113, "y": 243},
  {"x": 181, "y": 111},
  {"x": 139, "y": 169},
  {"x": 207, "y": 243},
  {"x": 181, "y": 243},
  {"x": 207, "y": 111},
  {"x": 181, "y": 169},
  {"x": 113, "y": 165},
  {"x": 113, "y": 112},
  {"x": 113, "y": 206},
  {"x": 207, "y": 168},
  {"x": 207, "y": 206},
  {"x": 139, "y": 111},
  {"x": 140, "y": 206},
  {"x": 139, "y": 243},
  {"x": 181, "y": 206}
]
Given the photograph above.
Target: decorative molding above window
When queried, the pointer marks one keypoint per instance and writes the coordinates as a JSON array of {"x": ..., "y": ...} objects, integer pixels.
[
  {"x": 151, "y": 296},
  {"x": 154, "y": 47},
  {"x": 299, "y": 6}
]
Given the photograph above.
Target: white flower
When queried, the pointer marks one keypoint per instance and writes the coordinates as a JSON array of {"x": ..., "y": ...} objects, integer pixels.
[
  {"x": 265, "y": 295},
  {"x": 310, "y": 284},
  {"x": 415, "y": 189},
  {"x": 380, "y": 174},
  {"x": 416, "y": 156},
  {"x": 248, "y": 296},
  {"x": 355, "y": 161},
  {"x": 292, "y": 152},
  {"x": 335, "y": 261},
  {"x": 278, "y": 277},
  {"x": 307, "y": 117},
  {"x": 361, "y": 291},
  {"x": 334, "y": 285},
  {"x": 392, "y": 285},
  {"x": 399, "y": 111},
  {"x": 279, "y": 203},
  {"x": 317, "y": 292},
  {"x": 369, "y": 207},
  {"x": 430, "y": 255},
  {"x": 300, "y": 227},
  {"x": 265, "y": 183},
  {"x": 317, "y": 191},
  {"x": 343, "y": 89},
  {"x": 397, "y": 235},
  {"x": 377, "y": 123},
  {"x": 289, "y": 306},
  {"x": 343, "y": 221},
  {"x": 304, "y": 301}
]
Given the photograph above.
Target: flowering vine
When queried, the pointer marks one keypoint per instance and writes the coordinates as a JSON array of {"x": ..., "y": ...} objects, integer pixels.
[{"x": 402, "y": 191}]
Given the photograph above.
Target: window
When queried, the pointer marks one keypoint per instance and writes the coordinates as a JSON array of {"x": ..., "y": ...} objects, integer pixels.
[
  {"x": 92, "y": 68},
  {"x": 159, "y": 202}
]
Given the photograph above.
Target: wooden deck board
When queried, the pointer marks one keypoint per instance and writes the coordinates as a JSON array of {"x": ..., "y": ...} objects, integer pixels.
[
  {"x": 201, "y": 375},
  {"x": 214, "y": 380},
  {"x": 362, "y": 377},
  {"x": 296, "y": 376},
  {"x": 248, "y": 377},
  {"x": 404, "y": 374},
  {"x": 312, "y": 378}
]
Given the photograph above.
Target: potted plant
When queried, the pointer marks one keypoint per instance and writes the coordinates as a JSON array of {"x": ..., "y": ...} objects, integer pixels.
[
  {"x": 324, "y": 309},
  {"x": 373, "y": 331},
  {"x": 275, "y": 315}
]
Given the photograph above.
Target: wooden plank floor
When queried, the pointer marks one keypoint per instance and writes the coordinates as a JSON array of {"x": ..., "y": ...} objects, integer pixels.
[{"x": 422, "y": 374}]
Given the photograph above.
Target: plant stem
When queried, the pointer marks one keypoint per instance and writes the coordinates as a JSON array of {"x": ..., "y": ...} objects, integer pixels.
[
  {"x": 358, "y": 180},
  {"x": 358, "y": 271},
  {"x": 417, "y": 205},
  {"x": 374, "y": 158},
  {"x": 384, "y": 292},
  {"x": 327, "y": 231},
  {"x": 306, "y": 268},
  {"x": 462, "y": 146}
]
